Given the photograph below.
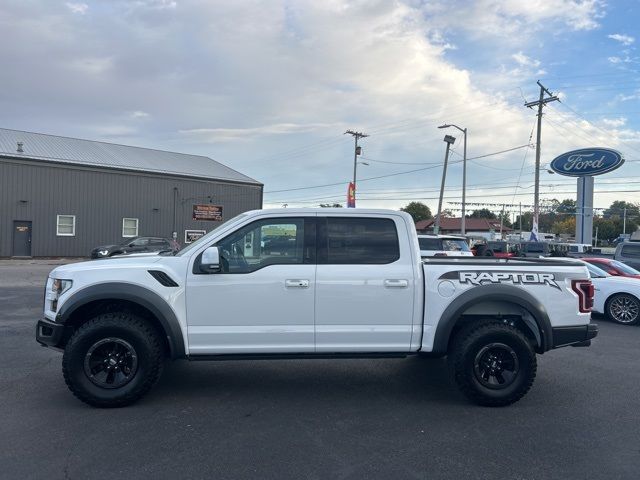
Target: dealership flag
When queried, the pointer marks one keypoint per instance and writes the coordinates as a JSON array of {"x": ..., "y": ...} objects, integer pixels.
[
  {"x": 534, "y": 232},
  {"x": 351, "y": 196}
]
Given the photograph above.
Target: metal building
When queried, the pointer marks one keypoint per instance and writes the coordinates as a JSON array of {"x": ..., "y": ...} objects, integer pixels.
[{"x": 64, "y": 196}]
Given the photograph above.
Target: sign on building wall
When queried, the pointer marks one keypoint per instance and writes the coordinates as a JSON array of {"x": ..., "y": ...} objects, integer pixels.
[
  {"x": 207, "y": 212},
  {"x": 191, "y": 236}
]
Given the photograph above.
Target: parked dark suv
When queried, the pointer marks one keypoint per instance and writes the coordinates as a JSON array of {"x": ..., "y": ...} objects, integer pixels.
[
  {"x": 629, "y": 253},
  {"x": 133, "y": 245}
]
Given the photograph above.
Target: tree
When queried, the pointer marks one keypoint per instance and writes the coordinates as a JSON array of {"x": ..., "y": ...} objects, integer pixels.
[
  {"x": 617, "y": 209},
  {"x": 566, "y": 206},
  {"x": 565, "y": 226},
  {"x": 331, "y": 205},
  {"x": 483, "y": 213},
  {"x": 506, "y": 220},
  {"x": 418, "y": 211}
]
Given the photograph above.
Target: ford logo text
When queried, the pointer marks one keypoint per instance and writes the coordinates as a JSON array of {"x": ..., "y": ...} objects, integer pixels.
[{"x": 587, "y": 162}]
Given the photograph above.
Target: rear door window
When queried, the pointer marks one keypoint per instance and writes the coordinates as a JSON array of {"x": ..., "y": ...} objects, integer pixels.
[
  {"x": 430, "y": 243},
  {"x": 358, "y": 241}
]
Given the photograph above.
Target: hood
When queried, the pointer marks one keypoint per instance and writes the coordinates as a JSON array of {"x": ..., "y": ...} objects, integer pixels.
[
  {"x": 124, "y": 261},
  {"x": 628, "y": 282},
  {"x": 105, "y": 247}
]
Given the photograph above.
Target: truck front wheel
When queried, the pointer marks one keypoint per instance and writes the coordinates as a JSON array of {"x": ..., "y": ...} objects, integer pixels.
[
  {"x": 493, "y": 363},
  {"x": 113, "y": 360}
]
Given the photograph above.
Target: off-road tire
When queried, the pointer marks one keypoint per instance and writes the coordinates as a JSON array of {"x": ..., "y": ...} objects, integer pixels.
[
  {"x": 469, "y": 352},
  {"x": 118, "y": 327},
  {"x": 624, "y": 301}
]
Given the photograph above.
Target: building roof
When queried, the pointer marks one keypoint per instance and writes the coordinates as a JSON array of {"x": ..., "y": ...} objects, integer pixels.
[
  {"x": 65, "y": 150},
  {"x": 471, "y": 224}
]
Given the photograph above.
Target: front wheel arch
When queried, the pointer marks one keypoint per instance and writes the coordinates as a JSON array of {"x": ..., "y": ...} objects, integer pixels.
[{"x": 90, "y": 301}]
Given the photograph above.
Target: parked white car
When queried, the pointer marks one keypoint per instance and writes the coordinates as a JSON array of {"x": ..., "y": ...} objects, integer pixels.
[
  {"x": 443, "y": 246},
  {"x": 615, "y": 296}
]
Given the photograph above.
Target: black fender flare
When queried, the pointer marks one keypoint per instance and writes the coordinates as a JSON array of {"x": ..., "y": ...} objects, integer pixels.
[
  {"x": 135, "y": 294},
  {"x": 542, "y": 330}
]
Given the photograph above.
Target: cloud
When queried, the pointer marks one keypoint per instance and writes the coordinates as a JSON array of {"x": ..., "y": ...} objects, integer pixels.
[
  {"x": 525, "y": 61},
  {"x": 139, "y": 114},
  {"x": 269, "y": 86},
  {"x": 614, "y": 122},
  {"x": 244, "y": 134},
  {"x": 77, "y": 8},
  {"x": 625, "y": 40},
  {"x": 516, "y": 18}
]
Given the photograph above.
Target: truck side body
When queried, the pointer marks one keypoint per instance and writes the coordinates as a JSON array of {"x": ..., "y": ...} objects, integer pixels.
[{"x": 307, "y": 282}]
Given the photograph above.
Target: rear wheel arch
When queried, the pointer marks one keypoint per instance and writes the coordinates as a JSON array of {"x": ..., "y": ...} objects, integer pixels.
[
  {"x": 510, "y": 304},
  {"x": 112, "y": 297}
]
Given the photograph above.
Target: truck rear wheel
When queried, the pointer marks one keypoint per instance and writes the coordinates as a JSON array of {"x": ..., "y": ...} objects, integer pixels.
[
  {"x": 493, "y": 363},
  {"x": 113, "y": 360}
]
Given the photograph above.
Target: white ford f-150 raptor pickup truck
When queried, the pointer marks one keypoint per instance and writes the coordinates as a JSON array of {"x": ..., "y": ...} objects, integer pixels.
[{"x": 312, "y": 283}]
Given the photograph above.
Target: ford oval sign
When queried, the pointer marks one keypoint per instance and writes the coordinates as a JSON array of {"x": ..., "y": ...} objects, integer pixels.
[{"x": 587, "y": 162}]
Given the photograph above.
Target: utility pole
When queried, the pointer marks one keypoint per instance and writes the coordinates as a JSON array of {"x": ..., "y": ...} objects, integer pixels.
[
  {"x": 449, "y": 141},
  {"x": 356, "y": 151},
  {"x": 463, "y": 220},
  {"x": 624, "y": 221},
  {"x": 520, "y": 218},
  {"x": 501, "y": 221},
  {"x": 536, "y": 195}
]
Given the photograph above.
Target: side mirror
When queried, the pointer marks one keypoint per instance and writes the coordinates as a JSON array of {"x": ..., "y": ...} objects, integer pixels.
[{"x": 210, "y": 262}]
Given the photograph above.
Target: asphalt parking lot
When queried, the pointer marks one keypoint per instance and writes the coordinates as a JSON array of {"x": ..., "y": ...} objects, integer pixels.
[{"x": 323, "y": 419}]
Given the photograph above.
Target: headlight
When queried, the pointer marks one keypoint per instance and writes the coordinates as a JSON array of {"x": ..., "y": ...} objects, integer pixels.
[
  {"x": 103, "y": 252},
  {"x": 58, "y": 287}
]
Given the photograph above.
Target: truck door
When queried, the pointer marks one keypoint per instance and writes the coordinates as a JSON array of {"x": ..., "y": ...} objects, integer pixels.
[
  {"x": 364, "y": 285},
  {"x": 262, "y": 300}
]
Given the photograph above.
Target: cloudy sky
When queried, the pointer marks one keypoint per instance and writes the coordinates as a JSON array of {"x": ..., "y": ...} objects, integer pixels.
[{"x": 269, "y": 87}]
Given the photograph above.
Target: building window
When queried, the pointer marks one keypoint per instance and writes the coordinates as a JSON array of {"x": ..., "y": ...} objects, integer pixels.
[
  {"x": 66, "y": 225},
  {"x": 129, "y": 227}
]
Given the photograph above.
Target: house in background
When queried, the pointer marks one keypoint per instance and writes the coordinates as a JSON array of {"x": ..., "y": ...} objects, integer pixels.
[{"x": 486, "y": 228}]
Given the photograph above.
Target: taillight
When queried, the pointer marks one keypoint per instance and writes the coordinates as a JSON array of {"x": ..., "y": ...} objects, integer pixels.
[{"x": 585, "y": 291}]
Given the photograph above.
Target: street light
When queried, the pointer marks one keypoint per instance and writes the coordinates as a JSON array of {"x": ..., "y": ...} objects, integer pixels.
[
  {"x": 463, "y": 225},
  {"x": 449, "y": 141}
]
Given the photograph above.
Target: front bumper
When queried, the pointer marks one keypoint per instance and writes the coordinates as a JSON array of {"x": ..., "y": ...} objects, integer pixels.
[
  {"x": 50, "y": 334},
  {"x": 578, "y": 336}
]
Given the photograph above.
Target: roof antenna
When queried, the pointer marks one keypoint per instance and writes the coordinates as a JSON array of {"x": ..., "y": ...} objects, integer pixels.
[{"x": 20, "y": 149}]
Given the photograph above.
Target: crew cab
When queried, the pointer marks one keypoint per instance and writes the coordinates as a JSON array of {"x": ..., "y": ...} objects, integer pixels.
[{"x": 346, "y": 283}]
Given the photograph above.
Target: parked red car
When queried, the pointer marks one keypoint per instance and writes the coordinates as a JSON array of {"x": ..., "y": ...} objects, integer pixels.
[{"x": 613, "y": 267}]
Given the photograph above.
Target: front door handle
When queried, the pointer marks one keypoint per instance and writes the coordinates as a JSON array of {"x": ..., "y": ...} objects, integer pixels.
[
  {"x": 296, "y": 283},
  {"x": 395, "y": 283}
]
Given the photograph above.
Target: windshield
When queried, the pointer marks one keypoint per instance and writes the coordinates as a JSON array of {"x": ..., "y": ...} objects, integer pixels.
[
  {"x": 624, "y": 268},
  {"x": 206, "y": 237},
  {"x": 498, "y": 247},
  {"x": 454, "y": 245},
  {"x": 596, "y": 272}
]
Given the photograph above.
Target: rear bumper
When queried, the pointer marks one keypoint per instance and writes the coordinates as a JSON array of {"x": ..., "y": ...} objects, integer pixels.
[
  {"x": 578, "y": 336},
  {"x": 50, "y": 334}
]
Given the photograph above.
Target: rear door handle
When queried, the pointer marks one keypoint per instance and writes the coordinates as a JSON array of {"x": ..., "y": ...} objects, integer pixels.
[
  {"x": 296, "y": 283},
  {"x": 394, "y": 283}
]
